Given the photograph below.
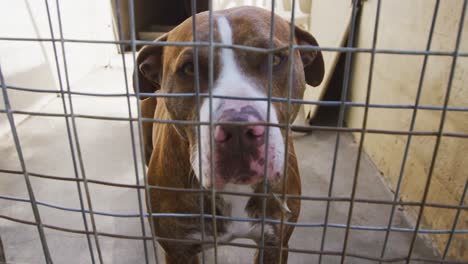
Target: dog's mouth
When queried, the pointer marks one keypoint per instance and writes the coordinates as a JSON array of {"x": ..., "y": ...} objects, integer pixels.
[
  {"x": 245, "y": 151},
  {"x": 240, "y": 163},
  {"x": 242, "y": 160}
]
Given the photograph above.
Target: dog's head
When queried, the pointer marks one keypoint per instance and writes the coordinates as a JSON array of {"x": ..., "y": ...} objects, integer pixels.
[{"x": 238, "y": 151}]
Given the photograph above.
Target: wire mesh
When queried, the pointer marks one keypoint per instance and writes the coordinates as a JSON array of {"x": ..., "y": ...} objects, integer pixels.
[{"x": 86, "y": 210}]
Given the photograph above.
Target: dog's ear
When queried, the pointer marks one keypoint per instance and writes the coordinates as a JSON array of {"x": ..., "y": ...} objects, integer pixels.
[
  {"x": 149, "y": 63},
  {"x": 312, "y": 59}
]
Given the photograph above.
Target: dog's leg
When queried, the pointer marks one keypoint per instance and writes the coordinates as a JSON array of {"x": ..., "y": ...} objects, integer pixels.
[
  {"x": 272, "y": 253},
  {"x": 148, "y": 106},
  {"x": 180, "y": 253}
]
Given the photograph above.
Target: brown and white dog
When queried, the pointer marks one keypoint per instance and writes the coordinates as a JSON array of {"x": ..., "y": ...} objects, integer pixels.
[{"x": 172, "y": 150}]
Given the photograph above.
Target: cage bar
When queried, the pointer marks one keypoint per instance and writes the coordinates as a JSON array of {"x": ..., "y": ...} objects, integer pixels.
[{"x": 146, "y": 235}]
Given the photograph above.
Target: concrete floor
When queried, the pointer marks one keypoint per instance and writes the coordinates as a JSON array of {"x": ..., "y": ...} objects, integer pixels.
[{"x": 107, "y": 156}]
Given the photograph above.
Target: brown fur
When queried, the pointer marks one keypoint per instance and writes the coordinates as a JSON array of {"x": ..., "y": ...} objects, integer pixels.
[{"x": 167, "y": 146}]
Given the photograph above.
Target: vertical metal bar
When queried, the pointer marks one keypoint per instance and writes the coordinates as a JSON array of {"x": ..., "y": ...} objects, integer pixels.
[
  {"x": 2, "y": 252},
  {"x": 411, "y": 129},
  {"x": 211, "y": 129},
  {"x": 37, "y": 216},
  {"x": 267, "y": 136},
  {"x": 75, "y": 132},
  {"x": 439, "y": 136},
  {"x": 70, "y": 139},
  {"x": 363, "y": 134},
  {"x": 140, "y": 130},
  {"x": 197, "y": 94},
  {"x": 455, "y": 222},
  {"x": 291, "y": 50},
  {"x": 340, "y": 123},
  {"x": 132, "y": 133}
]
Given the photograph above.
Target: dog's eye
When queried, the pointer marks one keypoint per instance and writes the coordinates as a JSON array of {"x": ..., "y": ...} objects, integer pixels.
[
  {"x": 187, "y": 69},
  {"x": 277, "y": 59}
]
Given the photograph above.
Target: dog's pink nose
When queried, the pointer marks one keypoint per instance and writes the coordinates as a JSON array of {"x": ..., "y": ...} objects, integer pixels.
[
  {"x": 220, "y": 135},
  {"x": 238, "y": 134},
  {"x": 256, "y": 131}
]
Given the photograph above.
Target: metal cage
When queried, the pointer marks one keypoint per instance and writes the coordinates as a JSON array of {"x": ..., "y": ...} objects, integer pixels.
[{"x": 89, "y": 215}]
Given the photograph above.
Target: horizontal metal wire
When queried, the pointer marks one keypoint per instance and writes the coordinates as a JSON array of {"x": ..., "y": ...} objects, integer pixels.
[
  {"x": 289, "y": 196},
  {"x": 273, "y": 99},
  {"x": 298, "y": 128},
  {"x": 333, "y": 199},
  {"x": 211, "y": 45},
  {"x": 236, "y": 244},
  {"x": 242, "y": 47}
]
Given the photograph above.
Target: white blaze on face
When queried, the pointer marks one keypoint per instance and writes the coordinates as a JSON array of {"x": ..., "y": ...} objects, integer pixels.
[{"x": 233, "y": 82}]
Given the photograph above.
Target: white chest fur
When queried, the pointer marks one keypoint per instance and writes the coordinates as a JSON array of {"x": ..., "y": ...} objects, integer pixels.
[
  {"x": 235, "y": 207},
  {"x": 236, "y": 204}
]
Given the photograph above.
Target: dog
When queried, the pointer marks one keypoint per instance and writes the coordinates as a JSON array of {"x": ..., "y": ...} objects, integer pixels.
[{"x": 238, "y": 153}]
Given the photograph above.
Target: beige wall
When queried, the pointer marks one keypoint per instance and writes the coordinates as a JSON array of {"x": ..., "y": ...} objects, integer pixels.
[
  {"x": 328, "y": 35},
  {"x": 405, "y": 25}
]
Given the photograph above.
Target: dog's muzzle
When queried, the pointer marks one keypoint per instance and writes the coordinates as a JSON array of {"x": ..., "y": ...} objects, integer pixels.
[
  {"x": 239, "y": 148},
  {"x": 239, "y": 151}
]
